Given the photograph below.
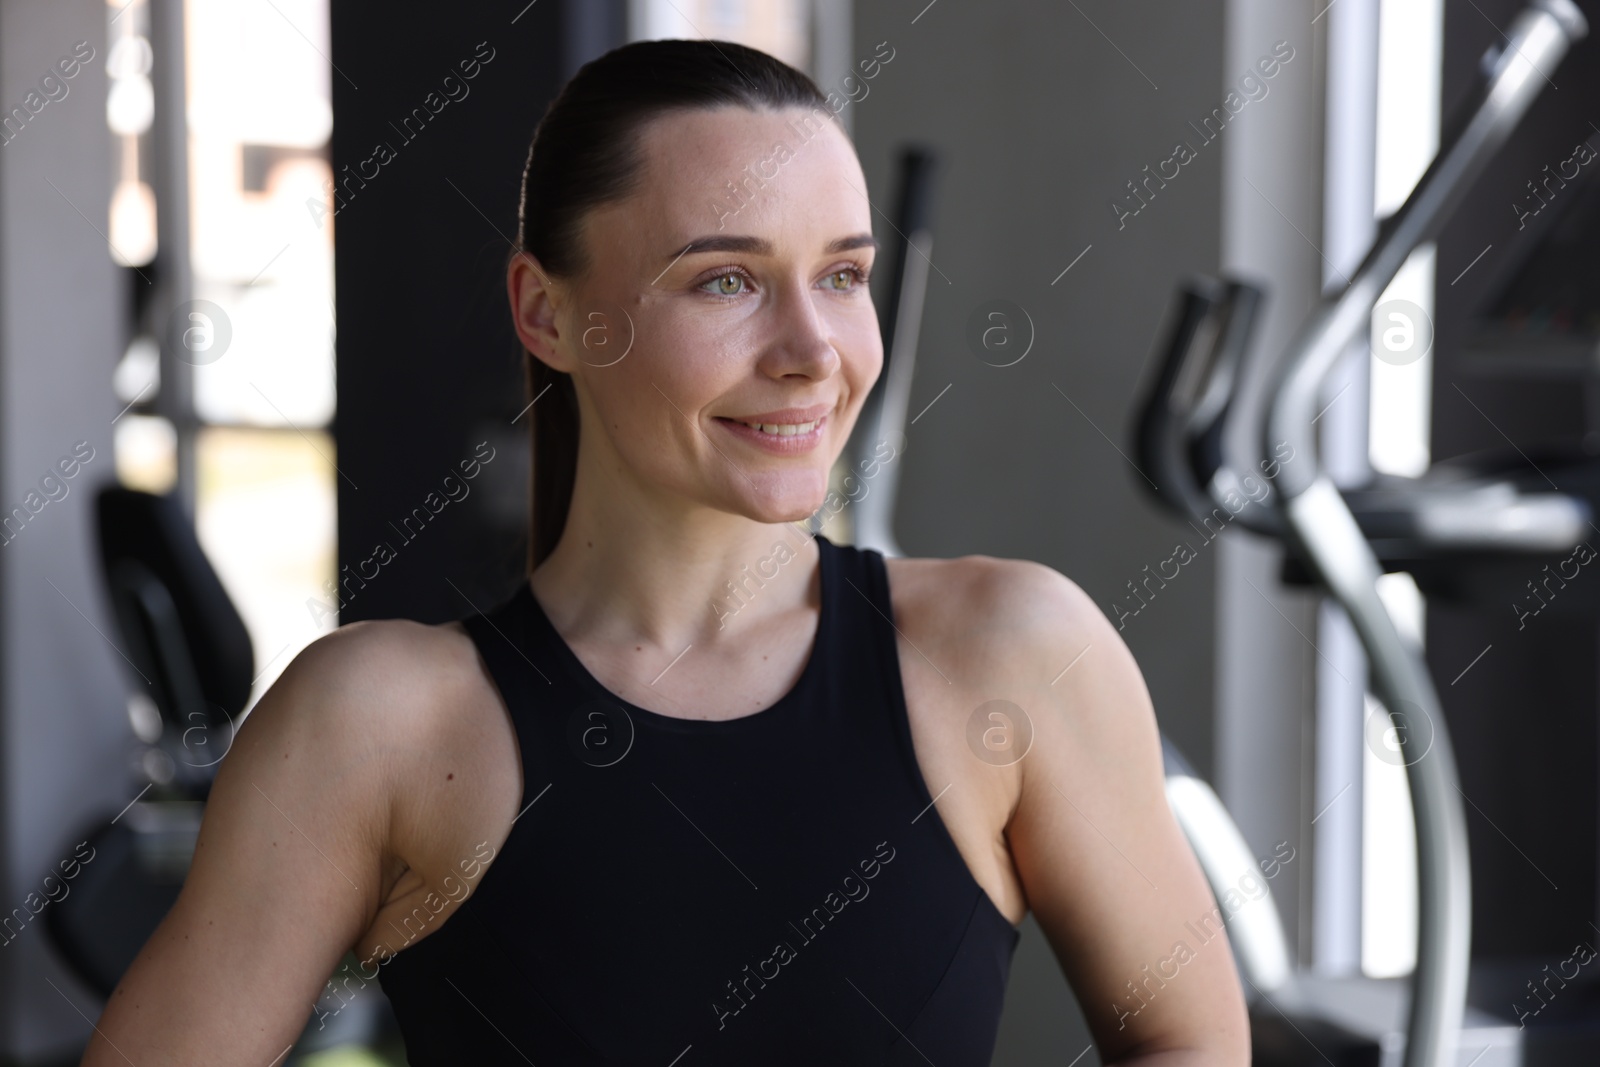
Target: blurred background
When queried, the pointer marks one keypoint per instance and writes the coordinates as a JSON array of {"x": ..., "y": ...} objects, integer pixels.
[{"x": 251, "y": 261}]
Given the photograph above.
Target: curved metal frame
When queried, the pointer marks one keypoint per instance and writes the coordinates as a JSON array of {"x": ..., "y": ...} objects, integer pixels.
[{"x": 1321, "y": 525}]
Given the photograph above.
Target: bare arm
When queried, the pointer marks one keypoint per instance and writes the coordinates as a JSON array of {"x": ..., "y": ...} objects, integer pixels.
[
  {"x": 291, "y": 865},
  {"x": 1105, "y": 867}
]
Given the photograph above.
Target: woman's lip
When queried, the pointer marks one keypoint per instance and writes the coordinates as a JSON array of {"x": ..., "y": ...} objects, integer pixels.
[
  {"x": 785, "y": 416},
  {"x": 798, "y": 442}
]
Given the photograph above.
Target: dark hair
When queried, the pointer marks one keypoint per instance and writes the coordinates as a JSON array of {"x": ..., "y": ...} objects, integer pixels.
[{"x": 586, "y": 152}]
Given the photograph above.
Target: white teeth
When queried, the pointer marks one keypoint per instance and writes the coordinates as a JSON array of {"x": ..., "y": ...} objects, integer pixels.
[{"x": 787, "y": 429}]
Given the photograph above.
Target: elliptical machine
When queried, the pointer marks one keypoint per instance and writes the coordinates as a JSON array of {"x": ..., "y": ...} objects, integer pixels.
[{"x": 1459, "y": 518}]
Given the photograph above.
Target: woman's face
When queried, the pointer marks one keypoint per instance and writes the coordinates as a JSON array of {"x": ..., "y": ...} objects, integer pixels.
[{"x": 730, "y": 288}]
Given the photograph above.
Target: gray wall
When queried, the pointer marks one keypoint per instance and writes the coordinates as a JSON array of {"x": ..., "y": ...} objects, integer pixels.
[
  {"x": 1042, "y": 120},
  {"x": 62, "y": 719}
]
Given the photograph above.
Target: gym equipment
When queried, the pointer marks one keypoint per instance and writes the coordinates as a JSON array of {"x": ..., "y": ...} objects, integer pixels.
[{"x": 1455, "y": 529}]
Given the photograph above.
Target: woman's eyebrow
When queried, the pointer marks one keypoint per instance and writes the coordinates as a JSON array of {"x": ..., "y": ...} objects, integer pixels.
[
  {"x": 760, "y": 246},
  {"x": 860, "y": 240}
]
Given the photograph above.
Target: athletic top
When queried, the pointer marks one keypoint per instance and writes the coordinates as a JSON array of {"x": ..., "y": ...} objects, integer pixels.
[{"x": 777, "y": 888}]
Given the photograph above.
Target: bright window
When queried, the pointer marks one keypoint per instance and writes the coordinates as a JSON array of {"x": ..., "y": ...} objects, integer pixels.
[{"x": 261, "y": 318}]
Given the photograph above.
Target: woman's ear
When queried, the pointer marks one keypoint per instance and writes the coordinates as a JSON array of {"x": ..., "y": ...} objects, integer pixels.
[{"x": 535, "y": 302}]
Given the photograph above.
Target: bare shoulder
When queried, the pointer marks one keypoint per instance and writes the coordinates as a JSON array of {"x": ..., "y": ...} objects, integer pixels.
[
  {"x": 387, "y": 697},
  {"x": 368, "y": 691},
  {"x": 1022, "y": 631},
  {"x": 409, "y": 712},
  {"x": 1000, "y": 608},
  {"x": 417, "y": 699},
  {"x": 395, "y": 674},
  {"x": 367, "y": 662}
]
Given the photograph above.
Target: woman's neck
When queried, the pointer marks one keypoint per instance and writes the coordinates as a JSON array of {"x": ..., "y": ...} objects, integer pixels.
[{"x": 700, "y": 576}]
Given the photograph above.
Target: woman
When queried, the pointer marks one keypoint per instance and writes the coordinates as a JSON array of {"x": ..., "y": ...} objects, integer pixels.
[{"x": 704, "y": 790}]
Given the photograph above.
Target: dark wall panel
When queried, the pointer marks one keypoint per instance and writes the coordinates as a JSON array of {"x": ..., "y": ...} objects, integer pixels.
[{"x": 429, "y": 162}]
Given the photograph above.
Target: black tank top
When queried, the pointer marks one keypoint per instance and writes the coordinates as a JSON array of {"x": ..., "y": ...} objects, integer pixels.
[{"x": 777, "y": 888}]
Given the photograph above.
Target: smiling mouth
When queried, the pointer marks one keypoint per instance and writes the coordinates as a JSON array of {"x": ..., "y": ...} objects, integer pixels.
[{"x": 778, "y": 429}]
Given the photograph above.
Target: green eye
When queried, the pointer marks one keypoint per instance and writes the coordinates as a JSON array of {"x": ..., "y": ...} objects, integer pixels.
[{"x": 729, "y": 284}]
